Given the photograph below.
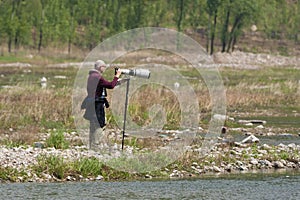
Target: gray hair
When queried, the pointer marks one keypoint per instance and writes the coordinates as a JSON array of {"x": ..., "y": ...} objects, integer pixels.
[{"x": 99, "y": 63}]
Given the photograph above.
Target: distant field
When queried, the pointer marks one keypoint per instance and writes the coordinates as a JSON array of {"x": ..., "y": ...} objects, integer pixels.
[{"x": 268, "y": 93}]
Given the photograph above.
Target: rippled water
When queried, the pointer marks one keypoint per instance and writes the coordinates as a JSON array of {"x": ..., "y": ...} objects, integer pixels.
[{"x": 241, "y": 186}]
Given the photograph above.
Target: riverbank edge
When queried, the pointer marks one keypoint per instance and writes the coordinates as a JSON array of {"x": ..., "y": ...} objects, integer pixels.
[{"x": 32, "y": 164}]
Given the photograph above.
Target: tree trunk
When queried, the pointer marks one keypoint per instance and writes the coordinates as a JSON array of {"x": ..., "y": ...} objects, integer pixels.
[
  {"x": 180, "y": 16},
  {"x": 224, "y": 36},
  {"x": 208, "y": 33},
  {"x": 41, "y": 32},
  {"x": 213, "y": 34},
  {"x": 237, "y": 21},
  {"x": 40, "y": 39},
  {"x": 9, "y": 44},
  {"x": 179, "y": 23}
]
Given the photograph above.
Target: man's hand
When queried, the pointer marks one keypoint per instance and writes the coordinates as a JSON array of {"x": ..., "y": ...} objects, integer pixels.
[{"x": 118, "y": 74}]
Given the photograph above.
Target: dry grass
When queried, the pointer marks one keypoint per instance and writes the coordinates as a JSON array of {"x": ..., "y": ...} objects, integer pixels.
[
  {"x": 28, "y": 109},
  {"x": 23, "y": 107}
]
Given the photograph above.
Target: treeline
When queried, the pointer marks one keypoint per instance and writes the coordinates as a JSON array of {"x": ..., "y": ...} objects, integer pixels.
[{"x": 37, "y": 24}]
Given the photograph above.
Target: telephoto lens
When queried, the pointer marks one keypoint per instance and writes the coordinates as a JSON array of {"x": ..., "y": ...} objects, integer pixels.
[{"x": 142, "y": 73}]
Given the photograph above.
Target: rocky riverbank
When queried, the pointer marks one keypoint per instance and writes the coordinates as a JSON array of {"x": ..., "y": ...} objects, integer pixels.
[{"x": 227, "y": 156}]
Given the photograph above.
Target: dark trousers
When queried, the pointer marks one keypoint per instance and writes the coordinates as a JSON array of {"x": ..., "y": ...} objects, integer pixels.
[
  {"x": 96, "y": 123},
  {"x": 100, "y": 113}
]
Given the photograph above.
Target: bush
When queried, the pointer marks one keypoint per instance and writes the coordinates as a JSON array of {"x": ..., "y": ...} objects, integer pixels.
[
  {"x": 57, "y": 140},
  {"x": 88, "y": 167},
  {"x": 51, "y": 164}
]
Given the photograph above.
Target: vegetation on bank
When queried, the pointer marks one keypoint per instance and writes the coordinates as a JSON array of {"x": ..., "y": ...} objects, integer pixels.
[
  {"x": 224, "y": 159},
  {"x": 27, "y": 110}
]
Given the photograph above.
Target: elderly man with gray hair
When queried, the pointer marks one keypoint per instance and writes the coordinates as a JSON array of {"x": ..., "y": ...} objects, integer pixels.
[{"x": 96, "y": 101}]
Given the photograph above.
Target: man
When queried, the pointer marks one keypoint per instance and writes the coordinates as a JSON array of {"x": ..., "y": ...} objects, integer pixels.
[{"x": 96, "y": 101}]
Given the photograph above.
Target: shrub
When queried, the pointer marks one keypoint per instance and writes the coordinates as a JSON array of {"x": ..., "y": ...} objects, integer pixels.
[{"x": 57, "y": 140}]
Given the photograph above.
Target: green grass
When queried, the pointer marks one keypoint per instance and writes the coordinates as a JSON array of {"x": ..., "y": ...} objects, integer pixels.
[
  {"x": 60, "y": 168},
  {"x": 31, "y": 76},
  {"x": 88, "y": 167},
  {"x": 269, "y": 93},
  {"x": 57, "y": 140},
  {"x": 12, "y": 174}
]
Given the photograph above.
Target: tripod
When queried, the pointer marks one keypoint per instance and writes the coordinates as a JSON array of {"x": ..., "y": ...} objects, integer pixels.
[{"x": 125, "y": 111}]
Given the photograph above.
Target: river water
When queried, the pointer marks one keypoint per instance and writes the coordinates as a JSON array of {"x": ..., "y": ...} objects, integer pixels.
[{"x": 239, "y": 186}]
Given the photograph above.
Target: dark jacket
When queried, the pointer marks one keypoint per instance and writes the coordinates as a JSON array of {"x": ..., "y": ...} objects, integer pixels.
[
  {"x": 96, "y": 83},
  {"x": 96, "y": 99}
]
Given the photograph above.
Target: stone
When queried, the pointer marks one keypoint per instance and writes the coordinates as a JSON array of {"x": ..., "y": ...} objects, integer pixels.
[
  {"x": 292, "y": 146},
  {"x": 267, "y": 147},
  {"x": 38, "y": 145},
  {"x": 228, "y": 167},
  {"x": 260, "y": 126},
  {"x": 239, "y": 163},
  {"x": 262, "y": 151},
  {"x": 243, "y": 168},
  {"x": 148, "y": 176},
  {"x": 60, "y": 77},
  {"x": 248, "y": 133},
  {"x": 99, "y": 177},
  {"x": 268, "y": 163},
  {"x": 250, "y": 139},
  {"x": 219, "y": 117},
  {"x": 278, "y": 165},
  {"x": 239, "y": 144},
  {"x": 283, "y": 162},
  {"x": 249, "y": 124},
  {"x": 291, "y": 165},
  {"x": 216, "y": 169},
  {"x": 254, "y": 121},
  {"x": 253, "y": 161}
]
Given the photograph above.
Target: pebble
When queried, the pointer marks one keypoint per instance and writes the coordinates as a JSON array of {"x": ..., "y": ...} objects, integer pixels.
[
  {"x": 254, "y": 162},
  {"x": 216, "y": 169},
  {"x": 242, "y": 157},
  {"x": 278, "y": 165}
]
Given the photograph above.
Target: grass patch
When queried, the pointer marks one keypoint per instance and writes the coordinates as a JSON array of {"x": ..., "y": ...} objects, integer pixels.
[
  {"x": 264, "y": 92},
  {"x": 88, "y": 167},
  {"x": 50, "y": 164},
  {"x": 57, "y": 140},
  {"x": 12, "y": 175},
  {"x": 60, "y": 168}
]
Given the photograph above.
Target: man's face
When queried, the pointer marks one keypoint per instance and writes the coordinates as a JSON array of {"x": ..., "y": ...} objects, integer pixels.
[{"x": 102, "y": 69}]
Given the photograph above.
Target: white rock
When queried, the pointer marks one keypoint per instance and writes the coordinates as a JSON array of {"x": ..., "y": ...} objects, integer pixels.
[
  {"x": 60, "y": 77},
  {"x": 278, "y": 164},
  {"x": 267, "y": 147},
  {"x": 292, "y": 146},
  {"x": 148, "y": 176},
  {"x": 254, "y": 162},
  {"x": 99, "y": 177},
  {"x": 250, "y": 139},
  {"x": 260, "y": 126},
  {"x": 219, "y": 117},
  {"x": 268, "y": 163},
  {"x": 262, "y": 151},
  {"x": 216, "y": 169}
]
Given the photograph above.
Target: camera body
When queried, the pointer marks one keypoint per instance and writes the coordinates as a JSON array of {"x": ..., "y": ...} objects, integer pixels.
[{"x": 142, "y": 73}]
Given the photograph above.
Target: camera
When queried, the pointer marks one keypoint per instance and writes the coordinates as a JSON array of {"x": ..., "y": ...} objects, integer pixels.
[{"x": 142, "y": 73}]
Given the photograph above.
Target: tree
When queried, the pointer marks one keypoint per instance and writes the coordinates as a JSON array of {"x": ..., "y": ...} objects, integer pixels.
[
  {"x": 212, "y": 9},
  {"x": 238, "y": 13}
]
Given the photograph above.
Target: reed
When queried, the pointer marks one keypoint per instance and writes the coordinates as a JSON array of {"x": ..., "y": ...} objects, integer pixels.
[{"x": 26, "y": 109}]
